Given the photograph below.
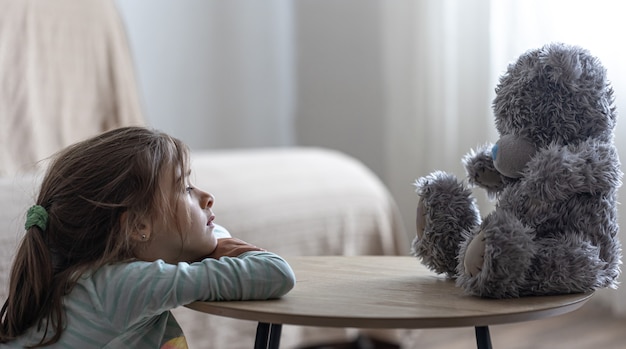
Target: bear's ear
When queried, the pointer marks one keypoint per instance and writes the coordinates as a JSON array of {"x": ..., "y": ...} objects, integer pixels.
[{"x": 561, "y": 63}]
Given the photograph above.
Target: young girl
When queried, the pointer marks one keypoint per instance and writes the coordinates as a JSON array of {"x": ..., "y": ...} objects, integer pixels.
[{"x": 117, "y": 238}]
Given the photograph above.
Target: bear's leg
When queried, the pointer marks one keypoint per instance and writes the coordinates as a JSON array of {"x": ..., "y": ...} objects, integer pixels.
[
  {"x": 446, "y": 213},
  {"x": 475, "y": 255},
  {"x": 567, "y": 263},
  {"x": 496, "y": 261}
]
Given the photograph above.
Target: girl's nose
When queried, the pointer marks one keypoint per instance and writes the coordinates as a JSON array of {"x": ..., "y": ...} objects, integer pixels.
[{"x": 207, "y": 200}]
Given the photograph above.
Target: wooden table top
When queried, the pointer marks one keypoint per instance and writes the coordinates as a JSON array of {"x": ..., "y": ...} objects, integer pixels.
[{"x": 384, "y": 292}]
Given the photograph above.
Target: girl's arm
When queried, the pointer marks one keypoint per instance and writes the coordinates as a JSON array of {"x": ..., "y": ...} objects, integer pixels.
[{"x": 132, "y": 291}]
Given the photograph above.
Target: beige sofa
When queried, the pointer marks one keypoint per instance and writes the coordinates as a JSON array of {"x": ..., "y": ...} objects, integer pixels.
[{"x": 292, "y": 201}]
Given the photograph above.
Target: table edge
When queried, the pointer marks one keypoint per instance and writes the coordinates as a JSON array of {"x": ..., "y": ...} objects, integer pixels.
[{"x": 221, "y": 309}]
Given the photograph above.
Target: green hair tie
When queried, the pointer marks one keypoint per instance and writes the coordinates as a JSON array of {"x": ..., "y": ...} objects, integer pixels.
[{"x": 38, "y": 216}]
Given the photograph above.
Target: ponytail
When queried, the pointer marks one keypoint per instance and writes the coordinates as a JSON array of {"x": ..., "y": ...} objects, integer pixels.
[{"x": 31, "y": 291}]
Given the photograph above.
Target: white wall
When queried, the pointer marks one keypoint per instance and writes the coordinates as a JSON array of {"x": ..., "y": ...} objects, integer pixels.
[
  {"x": 340, "y": 94},
  {"x": 198, "y": 61},
  {"x": 213, "y": 72}
]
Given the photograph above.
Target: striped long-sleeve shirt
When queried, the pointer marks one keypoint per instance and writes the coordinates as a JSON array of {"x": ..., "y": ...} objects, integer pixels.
[{"x": 127, "y": 305}]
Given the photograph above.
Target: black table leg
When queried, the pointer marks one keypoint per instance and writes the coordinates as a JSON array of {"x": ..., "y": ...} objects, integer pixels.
[
  {"x": 483, "y": 340},
  {"x": 267, "y": 336},
  {"x": 262, "y": 335},
  {"x": 275, "y": 331}
]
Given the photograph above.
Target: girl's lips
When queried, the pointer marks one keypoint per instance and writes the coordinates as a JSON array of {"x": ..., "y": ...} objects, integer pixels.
[{"x": 210, "y": 221}]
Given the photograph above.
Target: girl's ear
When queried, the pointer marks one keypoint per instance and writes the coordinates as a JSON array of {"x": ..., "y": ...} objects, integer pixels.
[{"x": 140, "y": 232}]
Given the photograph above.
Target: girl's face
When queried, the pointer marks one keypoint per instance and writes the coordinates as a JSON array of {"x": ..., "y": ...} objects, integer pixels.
[{"x": 186, "y": 237}]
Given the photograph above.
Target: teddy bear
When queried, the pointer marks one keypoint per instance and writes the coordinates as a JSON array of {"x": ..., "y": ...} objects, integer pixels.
[{"x": 553, "y": 175}]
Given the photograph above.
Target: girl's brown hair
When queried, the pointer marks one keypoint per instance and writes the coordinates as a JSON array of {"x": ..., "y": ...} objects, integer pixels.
[{"x": 85, "y": 191}]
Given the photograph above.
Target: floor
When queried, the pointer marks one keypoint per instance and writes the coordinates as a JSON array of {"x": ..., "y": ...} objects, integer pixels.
[{"x": 588, "y": 327}]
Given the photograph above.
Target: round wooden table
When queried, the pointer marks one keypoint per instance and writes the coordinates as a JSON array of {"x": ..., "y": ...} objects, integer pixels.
[{"x": 382, "y": 292}]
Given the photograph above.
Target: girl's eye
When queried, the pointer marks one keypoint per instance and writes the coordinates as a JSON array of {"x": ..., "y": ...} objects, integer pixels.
[{"x": 188, "y": 189}]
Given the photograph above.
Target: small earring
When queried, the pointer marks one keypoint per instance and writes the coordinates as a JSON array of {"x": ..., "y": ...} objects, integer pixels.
[{"x": 143, "y": 236}]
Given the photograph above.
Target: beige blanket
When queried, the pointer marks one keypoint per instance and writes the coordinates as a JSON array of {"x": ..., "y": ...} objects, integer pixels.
[{"x": 66, "y": 73}]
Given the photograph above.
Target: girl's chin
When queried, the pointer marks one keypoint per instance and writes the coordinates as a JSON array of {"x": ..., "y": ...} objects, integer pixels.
[{"x": 214, "y": 247}]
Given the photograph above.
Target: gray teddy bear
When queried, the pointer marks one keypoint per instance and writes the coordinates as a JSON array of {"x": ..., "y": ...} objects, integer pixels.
[{"x": 554, "y": 174}]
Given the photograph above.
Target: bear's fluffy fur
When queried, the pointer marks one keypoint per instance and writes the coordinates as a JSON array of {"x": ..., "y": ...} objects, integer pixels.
[{"x": 554, "y": 174}]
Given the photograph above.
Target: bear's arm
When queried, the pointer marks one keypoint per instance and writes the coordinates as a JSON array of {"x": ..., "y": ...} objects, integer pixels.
[
  {"x": 481, "y": 171},
  {"x": 557, "y": 172}
]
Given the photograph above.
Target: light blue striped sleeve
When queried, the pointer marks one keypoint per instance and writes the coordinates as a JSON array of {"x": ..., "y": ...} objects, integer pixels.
[{"x": 143, "y": 289}]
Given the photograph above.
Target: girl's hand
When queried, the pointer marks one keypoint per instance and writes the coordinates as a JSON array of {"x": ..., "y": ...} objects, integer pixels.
[{"x": 232, "y": 247}]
